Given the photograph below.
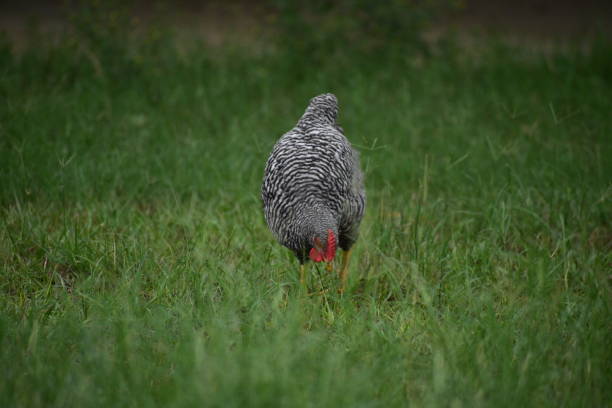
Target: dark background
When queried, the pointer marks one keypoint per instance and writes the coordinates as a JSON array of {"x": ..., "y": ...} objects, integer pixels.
[{"x": 216, "y": 21}]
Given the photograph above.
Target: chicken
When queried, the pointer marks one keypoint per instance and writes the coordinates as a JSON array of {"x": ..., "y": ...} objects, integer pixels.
[{"x": 312, "y": 192}]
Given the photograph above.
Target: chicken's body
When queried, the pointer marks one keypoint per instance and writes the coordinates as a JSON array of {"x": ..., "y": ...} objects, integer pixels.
[{"x": 313, "y": 185}]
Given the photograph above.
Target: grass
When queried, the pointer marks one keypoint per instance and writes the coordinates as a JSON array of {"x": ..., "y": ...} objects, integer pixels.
[{"x": 137, "y": 269}]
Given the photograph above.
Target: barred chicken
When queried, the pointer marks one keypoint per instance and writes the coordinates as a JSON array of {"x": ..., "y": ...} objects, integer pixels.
[{"x": 312, "y": 192}]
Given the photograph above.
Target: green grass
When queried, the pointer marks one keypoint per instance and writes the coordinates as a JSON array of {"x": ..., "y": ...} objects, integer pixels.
[{"x": 137, "y": 270}]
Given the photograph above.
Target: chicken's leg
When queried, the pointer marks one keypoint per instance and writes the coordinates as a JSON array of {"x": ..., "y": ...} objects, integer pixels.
[
  {"x": 346, "y": 256},
  {"x": 302, "y": 273}
]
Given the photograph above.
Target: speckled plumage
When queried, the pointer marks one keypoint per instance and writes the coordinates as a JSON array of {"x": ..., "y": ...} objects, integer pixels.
[{"x": 313, "y": 182}]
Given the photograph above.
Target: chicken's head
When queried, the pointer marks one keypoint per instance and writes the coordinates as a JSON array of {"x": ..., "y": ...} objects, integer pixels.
[{"x": 324, "y": 252}]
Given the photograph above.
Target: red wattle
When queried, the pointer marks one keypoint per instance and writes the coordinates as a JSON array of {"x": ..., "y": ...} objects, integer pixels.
[{"x": 315, "y": 255}]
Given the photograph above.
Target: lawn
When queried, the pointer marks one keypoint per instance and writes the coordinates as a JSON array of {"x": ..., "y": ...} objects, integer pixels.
[{"x": 137, "y": 269}]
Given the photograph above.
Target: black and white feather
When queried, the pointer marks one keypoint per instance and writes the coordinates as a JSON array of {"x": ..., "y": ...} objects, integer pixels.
[{"x": 313, "y": 182}]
